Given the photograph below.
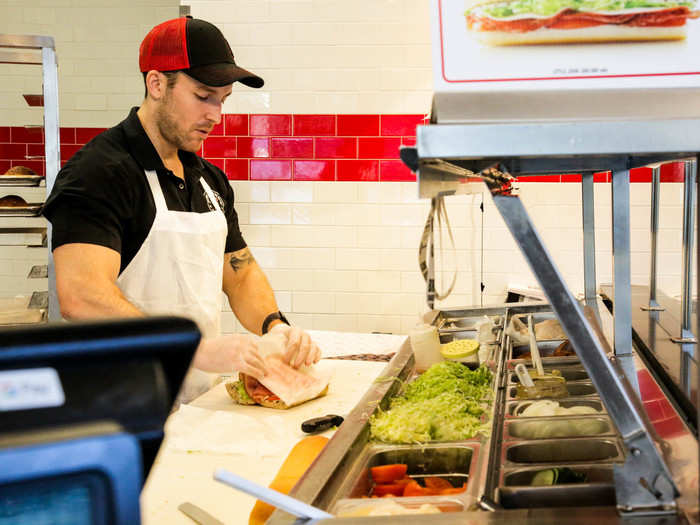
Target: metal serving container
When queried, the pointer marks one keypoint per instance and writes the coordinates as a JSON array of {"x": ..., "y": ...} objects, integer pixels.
[
  {"x": 578, "y": 389},
  {"x": 455, "y": 462},
  {"x": 516, "y": 490},
  {"x": 567, "y": 371},
  {"x": 562, "y": 451},
  {"x": 515, "y": 408},
  {"x": 558, "y": 427}
]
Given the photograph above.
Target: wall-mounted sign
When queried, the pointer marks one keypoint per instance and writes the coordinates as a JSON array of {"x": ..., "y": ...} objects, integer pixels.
[{"x": 486, "y": 45}]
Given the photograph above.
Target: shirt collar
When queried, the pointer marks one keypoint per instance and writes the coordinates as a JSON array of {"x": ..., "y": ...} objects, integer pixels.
[{"x": 143, "y": 149}]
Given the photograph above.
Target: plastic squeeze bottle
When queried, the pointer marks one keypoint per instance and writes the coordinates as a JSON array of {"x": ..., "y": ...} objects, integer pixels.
[{"x": 426, "y": 346}]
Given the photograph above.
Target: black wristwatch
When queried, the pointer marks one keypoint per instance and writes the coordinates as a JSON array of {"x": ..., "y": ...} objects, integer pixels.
[{"x": 272, "y": 317}]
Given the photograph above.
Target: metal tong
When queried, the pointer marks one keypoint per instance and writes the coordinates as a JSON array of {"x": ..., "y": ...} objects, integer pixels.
[
  {"x": 277, "y": 499},
  {"x": 534, "y": 351}
]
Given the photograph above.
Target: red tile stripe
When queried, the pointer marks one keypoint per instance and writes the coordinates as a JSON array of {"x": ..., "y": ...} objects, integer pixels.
[{"x": 322, "y": 147}]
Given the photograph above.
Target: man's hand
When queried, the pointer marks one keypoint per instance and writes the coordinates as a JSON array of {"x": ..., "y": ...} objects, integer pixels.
[
  {"x": 224, "y": 354},
  {"x": 301, "y": 350}
]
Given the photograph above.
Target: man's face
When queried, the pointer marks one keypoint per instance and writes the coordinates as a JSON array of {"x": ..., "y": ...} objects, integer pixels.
[{"x": 188, "y": 111}]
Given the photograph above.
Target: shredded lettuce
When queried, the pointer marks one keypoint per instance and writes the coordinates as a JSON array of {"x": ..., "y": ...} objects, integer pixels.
[
  {"x": 243, "y": 393},
  {"x": 552, "y": 7},
  {"x": 449, "y": 376},
  {"x": 446, "y": 403}
]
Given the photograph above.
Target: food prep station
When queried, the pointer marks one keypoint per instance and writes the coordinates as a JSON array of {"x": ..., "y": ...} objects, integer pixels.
[
  {"x": 499, "y": 464},
  {"x": 617, "y": 465}
]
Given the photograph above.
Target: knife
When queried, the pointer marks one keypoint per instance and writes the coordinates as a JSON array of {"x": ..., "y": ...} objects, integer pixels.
[
  {"x": 198, "y": 514},
  {"x": 319, "y": 424}
]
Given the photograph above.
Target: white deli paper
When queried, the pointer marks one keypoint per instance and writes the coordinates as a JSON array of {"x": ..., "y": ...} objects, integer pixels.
[
  {"x": 293, "y": 386},
  {"x": 194, "y": 429}
]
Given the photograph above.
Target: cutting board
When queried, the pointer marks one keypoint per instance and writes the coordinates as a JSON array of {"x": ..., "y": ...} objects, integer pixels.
[{"x": 186, "y": 475}]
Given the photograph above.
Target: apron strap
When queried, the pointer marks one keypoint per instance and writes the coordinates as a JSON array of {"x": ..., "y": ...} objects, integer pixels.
[
  {"x": 156, "y": 190},
  {"x": 210, "y": 194}
]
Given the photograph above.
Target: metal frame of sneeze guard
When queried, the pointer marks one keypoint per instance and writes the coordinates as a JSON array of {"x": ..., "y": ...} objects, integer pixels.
[{"x": 492, "y": 153}]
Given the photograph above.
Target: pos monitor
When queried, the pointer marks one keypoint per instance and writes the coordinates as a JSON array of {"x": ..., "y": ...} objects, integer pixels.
[{"x": 82, "y": 408}]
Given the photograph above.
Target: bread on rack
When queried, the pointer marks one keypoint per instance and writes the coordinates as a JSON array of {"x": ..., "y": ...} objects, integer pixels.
[
  {"x": 12, "y": 201},
  {"x": 20, "y": 171}
]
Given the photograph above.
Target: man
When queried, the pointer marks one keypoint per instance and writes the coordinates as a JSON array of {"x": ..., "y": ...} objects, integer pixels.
[{"x": 143, "y": 226}]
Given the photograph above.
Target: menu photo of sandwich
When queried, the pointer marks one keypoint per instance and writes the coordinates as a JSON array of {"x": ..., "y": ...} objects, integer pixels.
[{"x": 528, "y": 22}]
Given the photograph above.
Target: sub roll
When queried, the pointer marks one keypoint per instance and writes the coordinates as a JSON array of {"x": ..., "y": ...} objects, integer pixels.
[{"x": 519, "y": 22}]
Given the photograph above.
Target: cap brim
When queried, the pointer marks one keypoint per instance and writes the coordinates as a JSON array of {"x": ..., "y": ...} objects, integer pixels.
[{"x": 218, "y": 75}]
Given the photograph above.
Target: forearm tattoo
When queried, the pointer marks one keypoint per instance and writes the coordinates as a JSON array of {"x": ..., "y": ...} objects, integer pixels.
[{"x": 240, "y": 259}]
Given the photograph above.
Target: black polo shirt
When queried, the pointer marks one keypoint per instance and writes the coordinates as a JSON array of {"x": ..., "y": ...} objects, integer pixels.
[{"x": 102, "y": 196}]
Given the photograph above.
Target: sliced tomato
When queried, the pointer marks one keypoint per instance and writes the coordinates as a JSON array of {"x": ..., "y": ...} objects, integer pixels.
[
  {"x": 403, "y": 481},
  {"x": 413, "y": 489},
  {"x": 437, "y": 483},
  {"x": 388, "y": 473},
  {"x": 388, "y": 489},
  {"x": 454, "y": 490},
  {"x": 514, "y": 26}
]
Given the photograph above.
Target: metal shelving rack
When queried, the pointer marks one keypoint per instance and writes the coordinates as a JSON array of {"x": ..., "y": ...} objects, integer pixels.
[{"x": 41, "y": 51}]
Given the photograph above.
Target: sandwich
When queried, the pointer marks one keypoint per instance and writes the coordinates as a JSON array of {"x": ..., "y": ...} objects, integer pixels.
[
  {"x": 249, "y": 391},
  {"x": 283, "y": 386},
  {"x": 518, "y": 22}
]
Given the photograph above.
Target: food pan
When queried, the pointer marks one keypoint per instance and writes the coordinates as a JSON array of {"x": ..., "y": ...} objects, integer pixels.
[
  {"x": 446, "y": 337},
  {"x": 515, "y": 408},
  {"x": 468, "y": 328},
  {"x": 523, "y": 477},
  {"x": 546, "y": 349},
  {"x": 461, "y": 323},
  {"x": 570, "y": 373},
  {"x": 516, "y": 491},
  {"x": 468, "y": 319},
  {"x": 558, "y": 427},
  {"x": 578, "y": 389},
  {"x": 563, "y": 451},
  {"x": 537, "y": 317},
  {"x": 453, "y": 462}
]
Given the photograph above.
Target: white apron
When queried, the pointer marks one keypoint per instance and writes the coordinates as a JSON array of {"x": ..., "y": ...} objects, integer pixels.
[{"x": 179, "y": 270}]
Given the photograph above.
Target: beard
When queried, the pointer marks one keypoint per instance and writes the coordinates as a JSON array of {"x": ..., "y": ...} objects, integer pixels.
[{"x": 169, "y": 128}]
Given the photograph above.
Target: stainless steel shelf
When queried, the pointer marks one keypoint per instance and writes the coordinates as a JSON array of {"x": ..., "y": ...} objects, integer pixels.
[{"x": 39, "y": 50}]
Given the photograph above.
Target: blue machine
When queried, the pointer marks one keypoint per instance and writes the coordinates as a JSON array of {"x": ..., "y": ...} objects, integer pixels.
[{"x": 82, "y": 408}]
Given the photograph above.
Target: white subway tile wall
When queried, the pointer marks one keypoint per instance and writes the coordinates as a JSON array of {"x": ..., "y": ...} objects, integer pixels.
[
  {"x": 365, "y": 277},
  {"x": 97, "y": 45}
]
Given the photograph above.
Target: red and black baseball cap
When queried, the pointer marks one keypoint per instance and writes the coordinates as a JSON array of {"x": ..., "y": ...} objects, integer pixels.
[{"x": 195, "y": 47}]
